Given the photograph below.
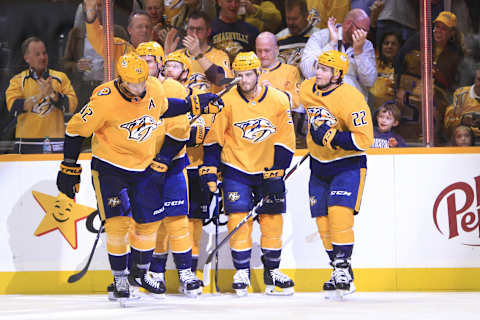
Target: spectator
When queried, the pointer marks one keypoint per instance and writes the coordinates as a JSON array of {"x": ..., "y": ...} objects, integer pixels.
[
  {"x": 171, "y": 33},
  {"x": 463, "y": 137},
  {"x": 279, "y": 75},
  {"x": 155, "y": 9},
  {"x": 139, "y": 29},
  {"x": 231, "y": 34},
  {"x": 328, "y": 8},
  {"x": 465, "y": 109},
  {"x": 38, "y": 97},
  {"x": 209, "y": 66},
  {"x": 447, "y": 54},
  {"x": 387, "y": 116},
  {"x": 400, "y": 16},
  {"x": 384, "y": 87},
  {"x": 264, "y": 15},
  {"x": 83, "y": 65},
  {"x": 350, "y": 38},
  {"x": 293, "y": 38}
]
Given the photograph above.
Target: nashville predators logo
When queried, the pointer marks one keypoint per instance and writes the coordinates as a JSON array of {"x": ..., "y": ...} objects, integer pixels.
[
  {"x": 322, "y": 114},
  {"x": 113, "y": 202},
  {"x": 43, "y": 108},
  {"x": 256, "y": 130},
  {"x": 233, "y": 196},
  {"x": 198, "y": 80},
  {"x": 104, "y": 92},
  {"x": 140, "y": 129},
  {"x": 313, "y": 201}
]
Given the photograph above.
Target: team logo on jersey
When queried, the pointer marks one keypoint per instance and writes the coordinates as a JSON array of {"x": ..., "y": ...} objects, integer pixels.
[
  {"x": 113, "y": 202},
  {"x": 322, "y": 114},
  {"x": 313, "y": 201},
  {"x": 198, "y": 80},
  {"x": 140, "y": 129},
  {"x": 104, "y": 92},
  {"x": 256, "y": 130},
  {"x": 233, "y": 196},
  {"x": 43, "y": 108}
]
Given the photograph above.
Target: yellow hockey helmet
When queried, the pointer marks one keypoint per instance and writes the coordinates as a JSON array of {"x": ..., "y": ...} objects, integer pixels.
[
  {"x": 245, "y": 61},
  {"x": 334, "y": 59},
  {"x": 131, "y": 68},
  {"x": 151, "y": 48},
  {"x": 181, "y": 58}
]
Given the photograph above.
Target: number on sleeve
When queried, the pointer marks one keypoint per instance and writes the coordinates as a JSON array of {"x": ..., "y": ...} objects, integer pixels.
[{"x": 359, "y": 118}]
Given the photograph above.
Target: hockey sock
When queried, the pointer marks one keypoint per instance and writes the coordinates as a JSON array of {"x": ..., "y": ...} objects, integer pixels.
[
  {"x": 117, "y": 263},
  {"x": 194, "y": 263},
  {"x": 241, "y": 259},
  {"x": 341, "y": 227},
  {"x": 183, "y": 260},
  {"x": 271, "y": 226},
  {"x": 141, "y": 259},
  {"x": 271, "y": 258},
  {"x": 159, "y": 262}
]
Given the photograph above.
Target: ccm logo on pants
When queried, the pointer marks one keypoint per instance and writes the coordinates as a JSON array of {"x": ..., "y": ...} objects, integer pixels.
[
  {"x": 169, "y": 204},
  {"x": 340, "y": 193}
]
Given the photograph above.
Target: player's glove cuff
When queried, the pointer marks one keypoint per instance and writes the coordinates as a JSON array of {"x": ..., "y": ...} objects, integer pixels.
[
  {"x": 72, "y": 169},
  {"x": 202, "y": 103},
  {"x": 269, "y": 174},
  {"x": 159, "y": 166},
  {"x": 68, "y": 178},
  {"x": 208, "y": 177}
]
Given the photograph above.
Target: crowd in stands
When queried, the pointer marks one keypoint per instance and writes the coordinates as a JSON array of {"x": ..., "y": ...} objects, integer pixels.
[{"x": 51, "y": 58}]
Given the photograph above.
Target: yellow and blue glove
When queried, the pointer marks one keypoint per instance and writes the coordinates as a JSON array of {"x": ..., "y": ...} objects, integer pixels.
[
  {"x": 68, "y": 178},
  {"x": 205, "y": 103},
  {"x": 322, "y": 133}
]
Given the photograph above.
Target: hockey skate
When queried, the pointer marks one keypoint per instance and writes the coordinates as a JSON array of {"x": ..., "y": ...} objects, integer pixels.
[
  {"x": 152, "y": 282},
  {"x": 241, "y": 282},
  {"x": 110, "y": 289},
  {"x": 277, "y": 283},
  {"x": 121, "y": 290},
  {"x": 190, "y": 285},
  {"x": 343, "y": 277}
]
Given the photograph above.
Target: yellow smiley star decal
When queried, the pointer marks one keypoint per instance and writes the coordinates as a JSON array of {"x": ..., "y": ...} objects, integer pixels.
[{"x": 61, "y": 213}]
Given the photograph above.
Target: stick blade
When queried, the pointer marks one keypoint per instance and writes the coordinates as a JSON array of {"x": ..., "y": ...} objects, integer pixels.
[
  {"x": 77, "y": 276},
  {"x": 206, "y": 273}
]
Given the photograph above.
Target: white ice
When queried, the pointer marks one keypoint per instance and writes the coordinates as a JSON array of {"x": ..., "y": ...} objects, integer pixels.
[{"x": 358, "y": 306}]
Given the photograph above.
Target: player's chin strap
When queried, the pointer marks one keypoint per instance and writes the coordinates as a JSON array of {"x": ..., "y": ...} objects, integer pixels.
[{"x": 208, "y": 263}]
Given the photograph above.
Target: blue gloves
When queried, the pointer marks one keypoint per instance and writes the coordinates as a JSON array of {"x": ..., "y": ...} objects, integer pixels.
[{"x": 205, "y": 103}]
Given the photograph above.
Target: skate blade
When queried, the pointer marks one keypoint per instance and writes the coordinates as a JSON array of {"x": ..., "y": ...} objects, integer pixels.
[
  {"x": 274, "y": 291},
  {"x": 193, "y": 294},
  {"x": 241, "y": 292},
  {"x": 330, "y": 294},
  {"x": 129, "y": 302},
  {"x": 111, "y": 297}
]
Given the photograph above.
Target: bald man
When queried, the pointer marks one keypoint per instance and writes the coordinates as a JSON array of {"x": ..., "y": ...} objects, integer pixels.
[
  {"x": 349, "y": 37},
  {"x": 273, "y": 72}
]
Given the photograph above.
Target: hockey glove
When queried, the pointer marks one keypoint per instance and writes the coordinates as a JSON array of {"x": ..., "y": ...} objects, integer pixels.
[
  {"x": 273, "y": 184},
  {"x": 158, "y": 171},
  {"x": 68, "y": 178},
  {"x": 205, "y": 103},
  {"x": 208, "y": 178},
  {"x": 322, "y": 133}
]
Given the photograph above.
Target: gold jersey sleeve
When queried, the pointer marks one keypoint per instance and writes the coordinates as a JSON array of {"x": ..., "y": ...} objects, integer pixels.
[
  {"x": 123, "y": 130},
  {"x": 284, "y": 77},
  {"x": 195, "y": 154},
  {"x": 197, "y": 78},
  {"x": 44, "y": 119},
  {"x": 348, "y": 106},
  {"x": 248, "y": 131},
  {"x": 95, "y": 36}
]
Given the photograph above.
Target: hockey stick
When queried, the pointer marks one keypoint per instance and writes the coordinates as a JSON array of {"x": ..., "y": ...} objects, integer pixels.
[
  {"x": 77, "y": 276},
  {"x": 221, "y": 93},
  {"x": 208, "y": 263},
  {"x": 217, "y": 217}
]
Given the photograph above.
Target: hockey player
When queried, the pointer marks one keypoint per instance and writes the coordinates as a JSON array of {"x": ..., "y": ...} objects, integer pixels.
[
  {"x": 173, "y": 231},
  {"x": 123, "y": 115},
  {"x": 177, "y": 67},
  {"x": 340, "y": 132},
  {"x": 252, "y": 142}
]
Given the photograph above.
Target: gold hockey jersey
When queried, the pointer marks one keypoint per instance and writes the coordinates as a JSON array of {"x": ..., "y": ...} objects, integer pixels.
[
  {"x": 465, "y": 100},
  {"x": 197, "y": 78},
  {"x": 177, "y": 128},
  {"x": 348, "y": 106},
  {"x": 284, "y": 77},
  {"x": 248, "y": 131},
  {"x": 124, "y": 130},
  {"x": 44, "y": 119}
]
